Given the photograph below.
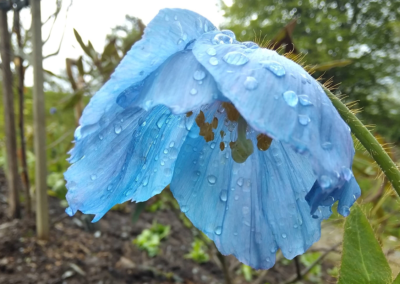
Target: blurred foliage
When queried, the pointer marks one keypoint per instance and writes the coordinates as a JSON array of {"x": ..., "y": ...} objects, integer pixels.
[
  {"x": 307, "y": 260},
  {"x": 199, "y": 252},
  {"x": 367, "y": 32},
  {"x": 247, "y": 272},
  {"x": 150, "y": 239}
]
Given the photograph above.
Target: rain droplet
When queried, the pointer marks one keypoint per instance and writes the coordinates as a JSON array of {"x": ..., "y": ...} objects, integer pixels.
[
  {"x": 290, "y": 98},
  {"x": 161, "y": 121},
  {"x": 212, "y": 145},
  {"x": 199, "y": 75},
  {"x": 166, "y": 151},
  {"x": 274, "y": 67},
  {"x": 235, "y": 58},
  {"x": 173, "y": 153},
  {"x": 109, "y": 187},
  {"x": 93, "y": 177},
  {"x": 101, "y": 137},
  {"x": 240, "y": 182},
  {"x": 327, "y": 145},
  {"x": 224, "y": 195},
  {"x": 284, "y": 236},
  {"x": 193, "y": 92},
  {"x": 180, "y": 41},
  {"x": 347, "y": 174},
  {"x": 184, "y": 208},
  {"x": 303, "y": 78},
  {"x": 212, "y": 179},
  {"x": 218, "y": 230},
  {"x": 211, "y": 51},
  {"x": 162, "y": 163},
  {"x": 117, "y": 129},
  {"x": 213, "y": 61},
  {"x": 172, "y": 144},
  {"x": 325, "y": 182},
  {"x": 145, "y": 181},
  {"x": 304, "y": 119},
  {"x": 175, "y": 18},
  {"x": 304, "y": 100},
  {"x": 251, "y": 83},
  {"x": 222, "y": 39},
  {"x": 273, "y": 249}
]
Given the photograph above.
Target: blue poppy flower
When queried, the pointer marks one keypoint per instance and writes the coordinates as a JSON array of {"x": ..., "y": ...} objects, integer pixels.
[{"x": 253, "y": 150}]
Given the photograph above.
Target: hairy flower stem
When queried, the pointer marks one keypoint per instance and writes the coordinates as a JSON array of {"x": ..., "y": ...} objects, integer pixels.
[{"x": 370, "y": 143}]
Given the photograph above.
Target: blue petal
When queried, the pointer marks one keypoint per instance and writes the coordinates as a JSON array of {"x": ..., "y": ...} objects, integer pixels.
[
  {"x": 250, "y": 209},
  {"x": 181, "y": 83},
  {"x": 276, "y": 96},
  {"x": 168, "y": 33},
  {"x": 130, "y": 156}
]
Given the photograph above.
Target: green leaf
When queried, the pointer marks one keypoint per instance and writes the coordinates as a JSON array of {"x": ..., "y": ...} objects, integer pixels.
[
  {"x": 362, "y": 258},
  {"x": 89, "y": 49},
  {"x": 140, "y": 206},
  {"x": 397, "y": 280}
]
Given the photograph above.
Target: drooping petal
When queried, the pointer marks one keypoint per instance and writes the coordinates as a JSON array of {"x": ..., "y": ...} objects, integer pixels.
[
  {"x": 168, "y": 33},
  {"x": 131, "y": 156},
  {"x": 250, "y": 209},
  {"x": 277, "y": 97},
  {"x": 181, "y": 83}
]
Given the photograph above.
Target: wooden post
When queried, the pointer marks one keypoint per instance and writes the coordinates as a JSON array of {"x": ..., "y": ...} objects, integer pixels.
[
  {"x": 42, "y": 212},
  {"x": 8, "y": 99}
]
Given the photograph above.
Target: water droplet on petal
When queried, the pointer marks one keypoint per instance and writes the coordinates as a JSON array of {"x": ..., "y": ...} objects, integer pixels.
[
  {"x": 161, "y": 121},
  {"x": 347, "y": 174},
  {"x": 176, "y": 18},
  {"x": 222, "y": 39},
  {"x": 145, "y": 181},
  {"x": 325, "y": 182},
  {"x": 224, "y": 195},
  {"x": 304, "y": 119},
  {"x": 93, "y": 177},
  {"x": 117, "y": 129},
  {"x": 212, "y": 145},
  {"x": 229, "y": 33},
  {"x": 240, "y": 182},
  {"x": 211, "y": 51},
  {"x": 166, "y": 151},
  {"x": 290, "y": 98},
  {"x": 101, "y": 137},
  {"x": 184, "y": 208},
  {"x": 235, "y": 58},
  {"x": 213, "y": 61},
  {"x": 212, "y": 179},
  {"x": 199, "y": 75},
  {"x": 173, "y": 153},
  {"x": 274, "y": 67},
  {"x": 172, "y": 144},
  {"x": 303, "y": 78},
  {"x": 218, "y": 230},
  {"x": 327, "y": 145},
  {"x": 251, "y": 83},
  {"x": 284, "y": 236},
  {"x": 344, "y": 210},
  {"x": 250, "y": 44},
  {"x": 304, "y": 100},
  {"x": 193, "y": 92},
  {"x": 180, "y": 41}
]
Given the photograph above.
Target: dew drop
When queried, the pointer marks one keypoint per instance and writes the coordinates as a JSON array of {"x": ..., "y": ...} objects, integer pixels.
[
  {"x": 193, "y": 92},
  {"x": 180, "y": 41},
  {"x": 218, "y": 230},
  {"x": 175, "y": 18},
  {"x": 325, "y": 182},
  {"x": 117, "y": 129},
  {"x": 274, "y": 67},
  {"x": 93, "y": 177},
  {"x": 327, "y": 145},
  {"x": 212, "y": 145},
  {"x": 251, "y": 83},
  {"x": 172, "y": 144},
  {"x": 224, "y": 195},
  {"x": 347, "y": 174},
  {"x": 162, "y": 163},
  {"x": 199, "y": 75},
  {"x": 212, "y": 179},
  {"x": 101, "y": 137},
  {"x": 236, "y": 197},
  {"x": 161, "y": 121},
  {"x": 166, "y": 151},
  {"x": 290, "y": 98},
  {"x": 304, "y": 119},
  {"x": 284, "y": 236},
  {"x": 229, "y": 33},
  {"x": 222, "y": 39},
  {"x": 240, "y": 182},
  {"x": 145, "y": 181},
  {"x": 235, "y": 58},
  {"x": 211, "y": 51},
  {"x": 304, "y": 100},
  {"x": 213, "y": 61},
  {"x": 184, "y": 208}
]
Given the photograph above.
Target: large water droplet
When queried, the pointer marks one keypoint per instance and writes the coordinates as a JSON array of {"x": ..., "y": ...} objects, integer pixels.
[
  {"x": 304, "y": 119},
  {"x": 184, "y": 208},
  {"x": 224, "y": 195},
  {"x": 240, "y": 182},
  {"x": 161, "y": 121},
  {"x": 212, "y": 145},
  {"x": 199, "y": 75},
  {"x": 304, "y": 100},
  {"x": 274, "y": 67},
  {"x": 290, "y": 98},
  {"x": 229, "y": 33},
  {"x": 218, "y": 230},
  {"x": 222, "y": 39},
  {"x": 251, "y": 83},
  {"x": 211, "y": 51},
  {"x": 235, "y": 58},
  {"x": 193, "y": 92},
  {"x": 325, "y": 182},
  {"x": 284, "y": 236},
  {"x": 117, "y": 129},
  {"x": 145, "y": 181},
  {"x": 213, "y": 61},
  {"x": 212, "y": 179},
  {"x": 347, "y": 174}
]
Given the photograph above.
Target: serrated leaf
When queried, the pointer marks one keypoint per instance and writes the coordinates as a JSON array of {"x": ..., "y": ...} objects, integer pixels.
[{"x": 362, "y": 258}]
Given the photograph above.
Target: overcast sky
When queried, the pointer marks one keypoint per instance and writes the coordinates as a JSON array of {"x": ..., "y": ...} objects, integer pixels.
[{"x": 93, "y": 19}]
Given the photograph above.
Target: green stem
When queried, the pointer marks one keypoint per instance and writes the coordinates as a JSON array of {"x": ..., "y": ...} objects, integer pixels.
[{"x": 370, "y": 143}]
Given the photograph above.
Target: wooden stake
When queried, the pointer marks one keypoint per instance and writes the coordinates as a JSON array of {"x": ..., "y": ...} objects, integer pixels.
[
  {"x": 42, "y": 212},
  {"x": 8, "y": 98}
]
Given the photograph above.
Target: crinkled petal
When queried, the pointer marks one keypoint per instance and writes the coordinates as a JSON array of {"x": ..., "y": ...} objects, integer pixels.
[
  {"x": 276, "y": 96},
  {"x": 129, "y": 156},
  {"x": 181, "y": 83},
  {"x": 250, "y": 209},
  {"x": 168, "y": 33}
]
